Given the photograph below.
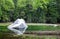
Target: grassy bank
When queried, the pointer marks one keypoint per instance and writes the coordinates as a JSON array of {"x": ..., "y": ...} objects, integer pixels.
[
  {"x": 34, "y": 28},
  {"x": 3, "y": 27},
  {"x": 5, "y": 35}
]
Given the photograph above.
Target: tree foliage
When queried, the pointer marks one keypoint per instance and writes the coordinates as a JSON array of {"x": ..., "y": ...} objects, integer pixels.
[{"x": 36, "y": 11}]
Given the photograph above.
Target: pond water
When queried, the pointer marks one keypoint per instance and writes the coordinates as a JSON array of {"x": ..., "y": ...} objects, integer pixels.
[{"x": 27, "y": 36}]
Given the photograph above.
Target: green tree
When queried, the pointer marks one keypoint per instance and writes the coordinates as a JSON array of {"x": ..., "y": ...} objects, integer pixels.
[
  {"x": 58, "y": 9},
  {"x": 52, "y": 12},
  {"x": 6, "y": 7}
]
